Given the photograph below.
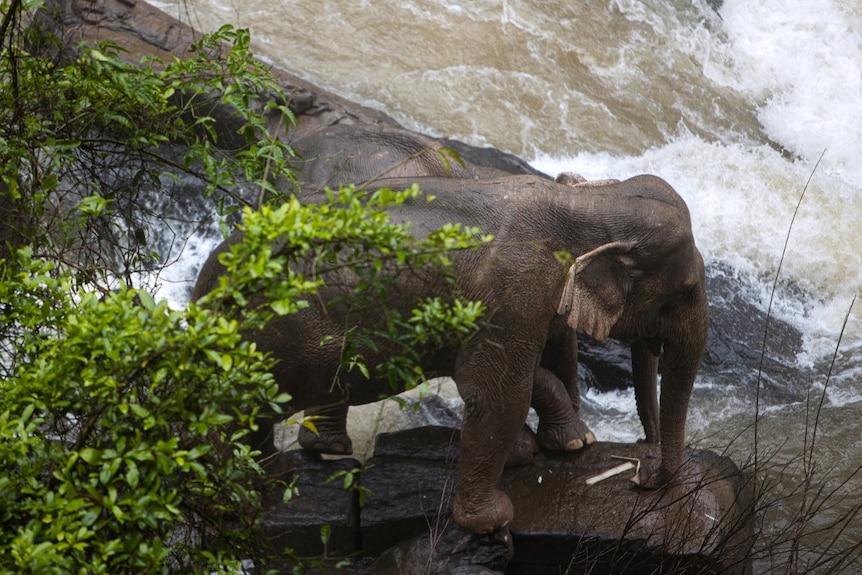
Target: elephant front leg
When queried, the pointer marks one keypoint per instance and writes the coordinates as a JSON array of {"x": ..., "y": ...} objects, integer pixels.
[
  {"x": 495, "y": 407},
  {"x": 645, "y": 374},
  {"x": 560, "y": 427},
  {"x": 330, "y": 424},
  {"x": 679, "y": 369}
]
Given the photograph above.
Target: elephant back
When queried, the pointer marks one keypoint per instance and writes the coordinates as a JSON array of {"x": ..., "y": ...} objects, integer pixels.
[{"x": 357, "y": 154}]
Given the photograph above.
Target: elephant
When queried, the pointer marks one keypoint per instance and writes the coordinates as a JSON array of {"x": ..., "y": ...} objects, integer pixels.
[
  {"x": 353, "y": 153},
  {"x": 633, "y": 273},
  {"x": 356, "y": 154}
]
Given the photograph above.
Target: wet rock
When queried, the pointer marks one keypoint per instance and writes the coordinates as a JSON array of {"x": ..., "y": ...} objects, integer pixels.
[
  {"x": 747, "y": 346},
  {"x": 412, "y": 477},
  {"x": 604, "y": 365},
  {"x": 739, "y": 327},
  {"x": 447, "y": 551},
  {"x": 561, "y": 524},
  {"x": 321, "y": 501},
  {"x": 703, "y": 525}
]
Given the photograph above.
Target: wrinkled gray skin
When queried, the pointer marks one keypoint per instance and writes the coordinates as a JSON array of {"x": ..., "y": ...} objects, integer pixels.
[
  {"x": 637, "y": 277},
  {"x": 349, "y": 153},
  {"x": 358, "y": 154}
]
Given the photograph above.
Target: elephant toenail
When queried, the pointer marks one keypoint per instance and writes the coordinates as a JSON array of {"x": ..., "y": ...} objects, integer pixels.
[{"x": 574, "y": 445}]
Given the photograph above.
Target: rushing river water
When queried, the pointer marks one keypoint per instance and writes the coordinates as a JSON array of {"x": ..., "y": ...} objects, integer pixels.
[{"x": 744, "y": 110}]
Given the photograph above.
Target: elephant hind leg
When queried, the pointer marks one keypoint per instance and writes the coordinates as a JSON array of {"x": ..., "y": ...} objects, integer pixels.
[
  {"x": 330, "y": 424},
  {"x": 560, "y": 426},
  {"x": 524, "y": 449}
]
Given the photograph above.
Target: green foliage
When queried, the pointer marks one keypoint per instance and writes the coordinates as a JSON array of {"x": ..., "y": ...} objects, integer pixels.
[
  {"x": 84, "y": 142},
  {"x": 564, "y": 258},
  {"x": 436, "y": 322},
  {"x": 121, "y": 431},
  {"x": 123, "y": 419},
  {"x": 242, "y": 83},
  {"x": 350, "y": 481},
  {"x": 122, "y": 422}
]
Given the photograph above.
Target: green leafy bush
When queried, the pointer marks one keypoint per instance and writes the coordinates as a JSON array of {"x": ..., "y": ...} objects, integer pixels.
[
  {"x": 123, "y": 419},
  {"x": 121, "y": 432}
]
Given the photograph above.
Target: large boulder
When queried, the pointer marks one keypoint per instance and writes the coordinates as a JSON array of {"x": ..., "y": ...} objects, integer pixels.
[{"x": 562, "y": 523}]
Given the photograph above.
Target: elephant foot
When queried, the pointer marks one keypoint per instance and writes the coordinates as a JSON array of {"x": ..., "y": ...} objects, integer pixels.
[
  {"x": 337, "y": 443},
  {"x": 484, "y": 516},
  {"x": 328, "y": 434},
  {"x": 524, "y": 449},
  {"x": 569, "y": 437},
  {"x": 652, "y": 475}
]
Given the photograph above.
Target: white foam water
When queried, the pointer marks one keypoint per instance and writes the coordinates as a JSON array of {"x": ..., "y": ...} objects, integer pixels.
[{"x": 800, "y": 64}]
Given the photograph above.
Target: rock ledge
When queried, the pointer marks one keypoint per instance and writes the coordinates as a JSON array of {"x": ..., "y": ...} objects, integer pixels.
[{"x": 562, "y": 525}]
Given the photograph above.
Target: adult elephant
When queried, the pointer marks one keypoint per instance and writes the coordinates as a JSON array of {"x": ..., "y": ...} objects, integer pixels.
[
  {"x": 635, "y": 275},
  {"x": 360, "y": 154}
]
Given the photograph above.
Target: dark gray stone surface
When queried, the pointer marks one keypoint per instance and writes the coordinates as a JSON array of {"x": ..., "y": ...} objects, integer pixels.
[{"x": 561, "y": 525}]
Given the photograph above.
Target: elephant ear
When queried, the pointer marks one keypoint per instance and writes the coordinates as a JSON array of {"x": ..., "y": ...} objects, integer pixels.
[{"x": 596, "y": 288}]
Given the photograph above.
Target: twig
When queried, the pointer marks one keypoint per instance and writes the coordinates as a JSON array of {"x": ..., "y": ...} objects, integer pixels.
[
  {"x": 631, "y": 463},
  {"x": 769, "y": 307}
]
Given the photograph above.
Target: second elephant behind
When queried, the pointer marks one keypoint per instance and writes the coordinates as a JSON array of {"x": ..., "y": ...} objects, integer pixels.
[{"x": 357, "y": 154}]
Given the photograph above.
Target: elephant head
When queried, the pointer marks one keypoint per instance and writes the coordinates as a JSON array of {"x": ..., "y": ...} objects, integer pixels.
[{"x": 657, "y": 303}]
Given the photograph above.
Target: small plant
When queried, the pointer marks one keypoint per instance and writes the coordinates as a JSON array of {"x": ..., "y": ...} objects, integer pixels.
[{"x": 351, "y": 481}]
